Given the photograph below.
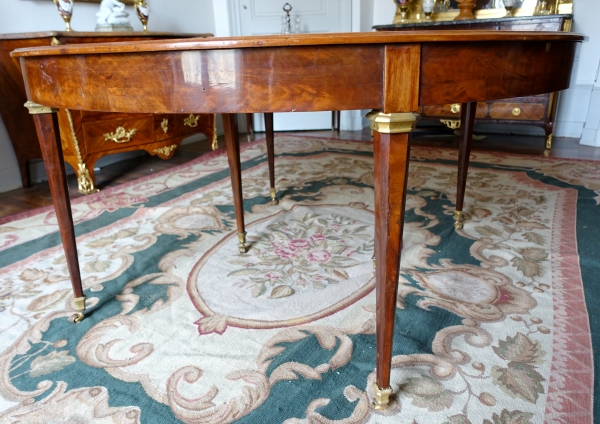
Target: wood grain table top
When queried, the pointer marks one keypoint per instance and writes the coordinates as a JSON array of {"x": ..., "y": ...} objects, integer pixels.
[{"x": 211, "y": 43}]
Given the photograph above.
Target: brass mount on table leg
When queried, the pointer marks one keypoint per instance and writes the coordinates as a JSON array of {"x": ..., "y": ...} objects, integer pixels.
[
  {"x": 79, "y": 306},
  {"x": 273, "y": 196},
  {"x": 382, "y": 397},
  {"x": 459, "y": 217},
  {"x": 242, "y": 242},
  {"x": 392, "y": 123},
  {"x": 36, "y": 109}
]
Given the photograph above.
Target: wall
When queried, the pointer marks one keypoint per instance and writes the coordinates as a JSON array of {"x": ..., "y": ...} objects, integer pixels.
[
  {"x": 193, "y": 16},
  {"x": 588, "y": 25},
  {"x": 576, "y": 108}
]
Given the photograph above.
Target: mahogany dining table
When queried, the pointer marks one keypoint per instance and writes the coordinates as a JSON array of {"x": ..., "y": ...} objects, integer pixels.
[{"x": 391, "y": 73}]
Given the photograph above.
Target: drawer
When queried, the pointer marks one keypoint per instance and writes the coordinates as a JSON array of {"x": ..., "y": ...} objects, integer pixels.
[
  {"x": 442, "y": 110},
  {"x": 453, "y": 110},
  {"x": 192, "y": 123},
  {"x": 116, "y": 134},
  {"x": 180, "y": 125},
  {"x": 518, "y": 111}
]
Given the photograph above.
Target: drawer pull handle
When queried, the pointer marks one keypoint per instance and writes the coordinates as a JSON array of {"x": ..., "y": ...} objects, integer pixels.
[
  {"x": 516, "y": 111},
  {"x": 121, "y": 135},
  {"x": 165, "y": 125},
  {"x": 455, "y": 107},
  {"x": 453, "y": 124},
  {"x": 191, "y": 121}
]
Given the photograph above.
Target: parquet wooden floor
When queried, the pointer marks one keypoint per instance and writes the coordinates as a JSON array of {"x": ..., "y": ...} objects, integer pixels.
[{"x": 24, "y": 199}]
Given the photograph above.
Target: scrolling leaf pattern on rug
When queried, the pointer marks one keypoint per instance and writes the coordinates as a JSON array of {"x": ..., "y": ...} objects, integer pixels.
[{"x": 183, "y": 328}]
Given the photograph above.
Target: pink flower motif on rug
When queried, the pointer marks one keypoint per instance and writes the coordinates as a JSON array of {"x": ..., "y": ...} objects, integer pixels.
[{"x": 309, "y": 254}]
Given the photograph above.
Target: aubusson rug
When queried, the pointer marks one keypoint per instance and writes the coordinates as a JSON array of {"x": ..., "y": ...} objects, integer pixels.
[{"x": 493, "y": 321}]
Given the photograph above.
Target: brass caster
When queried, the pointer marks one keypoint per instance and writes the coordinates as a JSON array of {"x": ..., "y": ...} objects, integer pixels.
[
  {"x": 547, "y": 153},
  {"x": 274, "y": 200},
  {"x": 382, "y": 397},
  {"x": 459, "y": 216},
  {"x": 80, "y": 306},
  {"x": 242, "y": 242}
]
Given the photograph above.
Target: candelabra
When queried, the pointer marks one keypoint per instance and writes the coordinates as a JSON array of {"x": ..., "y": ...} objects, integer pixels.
[
  {"x": 65, "y": 8},
  {"x": 143, "y": 12}
]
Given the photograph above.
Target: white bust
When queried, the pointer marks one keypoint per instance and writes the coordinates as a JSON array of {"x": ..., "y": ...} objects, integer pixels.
[{"x": 112, "y": 12}]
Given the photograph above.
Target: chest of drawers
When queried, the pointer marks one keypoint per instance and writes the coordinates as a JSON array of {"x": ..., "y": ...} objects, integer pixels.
[{"x": 88, "y": 136}]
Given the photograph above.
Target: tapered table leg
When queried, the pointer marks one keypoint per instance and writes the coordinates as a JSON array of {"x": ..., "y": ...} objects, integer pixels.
[
  {"x": 271, "y": 155},
  {"x": 335, "y": 120},
  {"x": 464, "y": 151},
  {"x": 391, "y": 156},
  {"x": 232, "y": 144},
  {"x": 46, "y": 125},
  {"x": 249, "y": 126}
]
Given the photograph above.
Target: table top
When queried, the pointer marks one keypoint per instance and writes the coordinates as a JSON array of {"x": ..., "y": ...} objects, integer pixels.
[
  {"x": 360, "y": 38},
  {"x": 389, "y": 71},
  {"x": 504, "y": 20}
]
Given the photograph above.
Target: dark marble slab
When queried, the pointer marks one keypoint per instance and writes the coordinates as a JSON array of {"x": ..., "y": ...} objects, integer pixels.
[{"x": 504, "y": 21}]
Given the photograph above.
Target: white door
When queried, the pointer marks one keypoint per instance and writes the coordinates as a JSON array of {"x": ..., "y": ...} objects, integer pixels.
[{"x": 262, "y": 17}]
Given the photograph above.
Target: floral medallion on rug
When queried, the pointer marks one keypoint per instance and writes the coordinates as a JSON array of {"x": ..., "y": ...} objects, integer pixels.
[{"x": 494, "y": 322}]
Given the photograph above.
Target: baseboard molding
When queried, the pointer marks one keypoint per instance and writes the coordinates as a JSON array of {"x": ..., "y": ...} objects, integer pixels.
[
  {"x": 590, "y": 137},
  {"x": 10, "y": 179},
  {"x": 509, "y": 129},
  {"x": 568, "y": 129}
]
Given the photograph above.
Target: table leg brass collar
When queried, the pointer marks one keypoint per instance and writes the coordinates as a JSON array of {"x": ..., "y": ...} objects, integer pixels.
[
  {"x": 36, "y": 109},
  {"x": 382, "y": 397},
  {"x": 392, "y": 123}
]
